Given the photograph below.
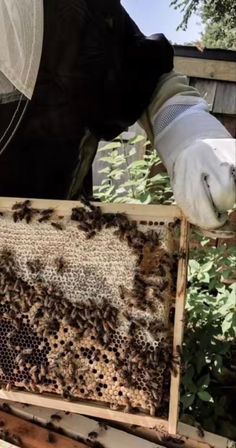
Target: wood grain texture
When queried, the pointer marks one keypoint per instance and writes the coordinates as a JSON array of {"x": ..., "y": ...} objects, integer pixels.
[
  {"x": 74, "y": 425},
  {"x": 179, "y": 325},
  {"x": 32, "y": 436},
  {"x": 134, "y": 212},
  {"x": 186, "y": 437},
  {"x": 229, "y": 122},
  {"x": 207, "y": 89},
  {"x": 225, "y": 98},
  {"x": 205, "y": 68},
  {"x": 97, "y": 411},
  {"x": 137, "y": 212}
]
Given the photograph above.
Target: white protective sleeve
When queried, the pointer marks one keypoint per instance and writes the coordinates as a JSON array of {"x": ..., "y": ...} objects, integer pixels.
[
  {"x": 199, "y": 155},
  {"x": 21, "y": 38}
]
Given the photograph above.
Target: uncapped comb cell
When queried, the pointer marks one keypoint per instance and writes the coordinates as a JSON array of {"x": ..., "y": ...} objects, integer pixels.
[{"x": 84, "y": 307}]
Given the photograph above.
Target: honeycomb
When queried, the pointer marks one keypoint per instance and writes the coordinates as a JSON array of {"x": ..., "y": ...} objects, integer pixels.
[{"x": 85, "y": 301}]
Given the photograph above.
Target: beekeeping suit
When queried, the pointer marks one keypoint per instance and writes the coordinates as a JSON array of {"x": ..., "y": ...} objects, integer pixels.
[{"x": 75, "y": 72}]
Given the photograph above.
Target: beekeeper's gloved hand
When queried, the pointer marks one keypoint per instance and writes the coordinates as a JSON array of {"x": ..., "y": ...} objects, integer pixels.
[{"x": 196, "y": 149}]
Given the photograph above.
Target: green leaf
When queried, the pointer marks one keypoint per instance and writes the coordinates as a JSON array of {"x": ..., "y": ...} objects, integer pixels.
[
  {"x": 105, "y": 170},
  {"x": 112, "y": 145},
  {"x": 200, "y": 362},
  {"x": 207, "y": 266},
  {"x": 205, "y": 396},
  {"x": 187, "y": 400},
  {"x": 203, "y": 382},
  {"x": 121, "y": 190},
  {"x": 103, "y": 187},
  {"x": 130, "y": 183},
  {"x": 227, "y": 323},
  {"x": 137, "y": 164},
  {"x": 137, "y": 139},
  {"x": 158, "y": 178},
  {"x": 146, "y": 199},
  {"x": 132, "y": 152},
  {"x": 194, "y": 265}
]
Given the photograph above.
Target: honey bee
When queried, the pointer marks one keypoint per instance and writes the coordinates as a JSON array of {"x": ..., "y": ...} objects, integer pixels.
[
  {"x": 46, "y": 215},
  {"x": 34, "y": 266},
  {"x": 60, "y": 265},
  {"x": 93, "y": 435},
  {"x": 18, "y": 205},
  {"x": 200, "y": 431},
  {"x": 90, "y": 234},
  {"x": 47, "y": 211},
  {"x": 51, "y": 438},
  {"x": 23, "y": 210},
  {"x": 56, "y": 417},
  {"x": 127, "y": 408},
  {"x": 44, "y": 218},
  {"x": 85, "y": 227},
  {"x": 152, "y": 410},
  {"x": 98, "y": 445},
  {"x": 57, "y": 225}
]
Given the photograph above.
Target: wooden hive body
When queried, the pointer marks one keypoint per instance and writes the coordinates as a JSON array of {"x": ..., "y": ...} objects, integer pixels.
[{"x": 85, "y": 308}]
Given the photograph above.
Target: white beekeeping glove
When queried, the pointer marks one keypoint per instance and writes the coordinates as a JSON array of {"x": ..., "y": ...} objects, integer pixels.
[{"x": 199, "y": 155}]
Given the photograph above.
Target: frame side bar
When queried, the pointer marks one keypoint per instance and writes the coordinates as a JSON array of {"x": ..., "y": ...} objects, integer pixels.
[{"x": 179, "y": 324}]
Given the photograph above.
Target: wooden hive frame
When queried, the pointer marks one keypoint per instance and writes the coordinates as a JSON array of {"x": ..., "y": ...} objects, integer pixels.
[{"x": 149, "y": 214}]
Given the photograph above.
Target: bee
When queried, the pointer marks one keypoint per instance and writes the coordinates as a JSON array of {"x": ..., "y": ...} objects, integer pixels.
[
  {"x": 23, "y": 210},
  {"x": 46, "y": 214},
  {"x": 114, "y": 406},
  {"x": 127, "y": 408},
  {"x": 98, "y": 445},
  {"x": 56, "y": 417},
  {"x": 161, "y": 271},
  {"x": 152, "y": 410},
  {"x": 179, "y": 351},
  {"x": 132, "y": 328},
  {"x": 155, "y": 327},
  {"x": 90, "y": 234},
  {"x": 86, "y": 227},
  {"x": 47, "y": 211},
  {"x": 182, "y": 255},
  {"x": 66, "y": 395},
  {"x": 200, "y": 431},
  {"x": 42, "y": 373},
  {"x": 34, "y": 266},
  {"x": 93, "y": 435},
  {"x": 26, "y": 352},
  {"x": 60, "y": 265},
  {"x": 77, "y": 214},
  {"x": 44, "y": 218},
  {"x": 152, "y": 240},
  {"x": 19, "y": 205},
  {"x": 102, "y": 426},
  {"x": 51, "y": 438},
  {"x": 57, "y": 225}
]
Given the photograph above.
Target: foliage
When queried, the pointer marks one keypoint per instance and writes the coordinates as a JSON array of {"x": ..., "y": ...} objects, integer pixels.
[
  {"x": 208, "y": 391},
  {"x": 211, "y": 9},
  {"x": 210, "y": 341},
  {"x": 218, "y": 35},
  {"x": 219, "y": 19},
  {"x": 128, "y": 180}
]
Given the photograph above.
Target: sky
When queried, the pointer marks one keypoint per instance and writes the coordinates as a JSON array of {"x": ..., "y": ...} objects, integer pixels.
[{"x": 155, "y": 16}]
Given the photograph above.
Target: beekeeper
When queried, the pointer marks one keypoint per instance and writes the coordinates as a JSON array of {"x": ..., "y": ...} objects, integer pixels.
[{"x": 73, "y": 72}]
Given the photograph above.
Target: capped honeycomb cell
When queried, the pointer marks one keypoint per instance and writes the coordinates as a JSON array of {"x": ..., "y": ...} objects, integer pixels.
[{"x": 84, "y": 307}]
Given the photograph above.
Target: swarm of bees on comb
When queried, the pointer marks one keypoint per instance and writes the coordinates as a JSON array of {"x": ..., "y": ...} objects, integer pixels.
[{"x": 85, "y": 305}]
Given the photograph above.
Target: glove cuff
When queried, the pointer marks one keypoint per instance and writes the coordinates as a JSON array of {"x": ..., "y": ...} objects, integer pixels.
[{"x": 179, "y": 123}]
